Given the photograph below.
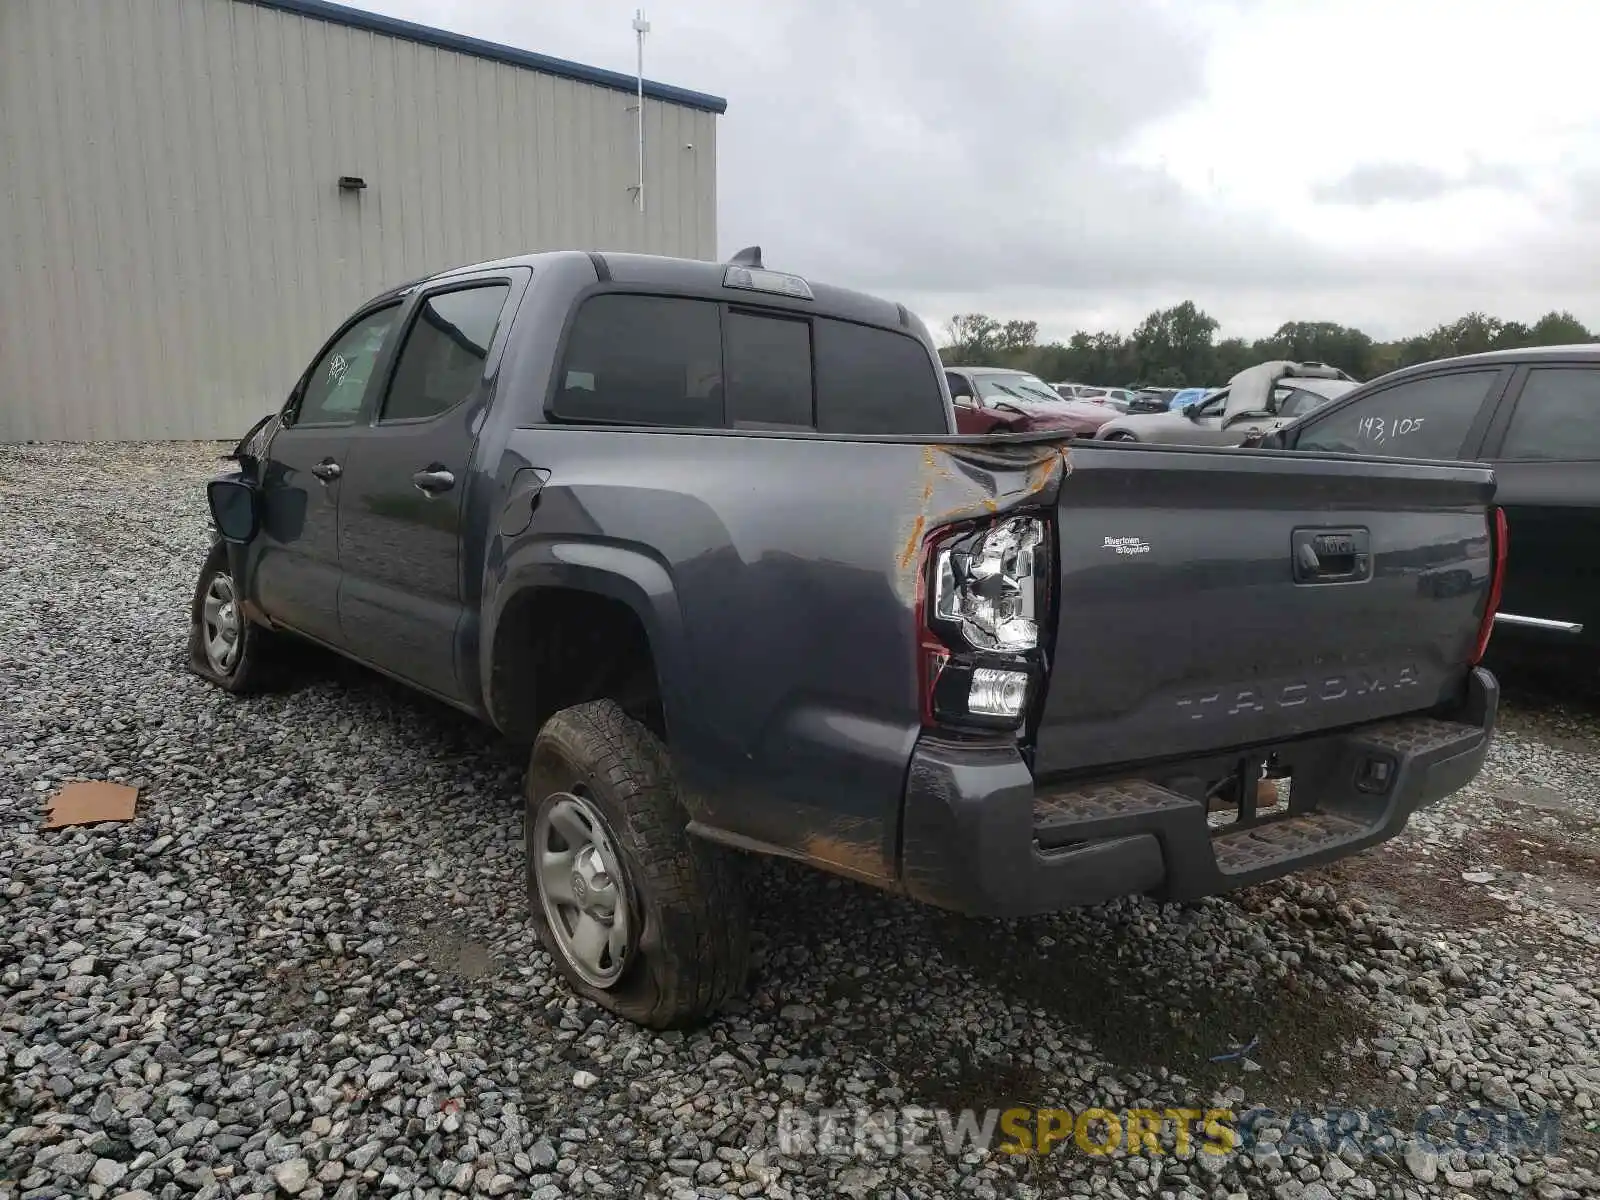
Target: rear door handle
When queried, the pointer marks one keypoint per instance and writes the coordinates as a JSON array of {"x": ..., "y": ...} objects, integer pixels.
[
  {"x": 434, "y": 480},
  {"x": 327, "y": 470}
]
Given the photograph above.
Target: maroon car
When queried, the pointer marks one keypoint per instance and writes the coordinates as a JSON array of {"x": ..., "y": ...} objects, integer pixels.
[{"x": 990, "y": 399}]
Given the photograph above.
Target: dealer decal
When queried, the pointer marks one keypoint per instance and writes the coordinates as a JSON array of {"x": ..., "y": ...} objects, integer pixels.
[{"x": 1127, "y": 545}]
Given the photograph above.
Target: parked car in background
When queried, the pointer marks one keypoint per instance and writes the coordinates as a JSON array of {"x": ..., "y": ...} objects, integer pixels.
[
  {"x": 1151, "y": 400},
  {"x": 1256, "y": 401},
  {"x": 1118, "y": 398},
  {"x": 997, "y": 399},
  {"x": 1534, "y": 416},
  {"x": 1184, "y": 397}
]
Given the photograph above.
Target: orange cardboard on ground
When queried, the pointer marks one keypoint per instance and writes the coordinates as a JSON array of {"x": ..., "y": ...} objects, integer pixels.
[{"x": 86, "y": 803}]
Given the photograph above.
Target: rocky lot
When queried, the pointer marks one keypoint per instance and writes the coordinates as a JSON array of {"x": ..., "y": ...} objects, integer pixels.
[{"x": 303, "y": 969}]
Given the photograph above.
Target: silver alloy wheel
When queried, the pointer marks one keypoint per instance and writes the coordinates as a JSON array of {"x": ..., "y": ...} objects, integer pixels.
[
  {"x": 583, "y": 887},
  {"x": 223, "y": 630}
]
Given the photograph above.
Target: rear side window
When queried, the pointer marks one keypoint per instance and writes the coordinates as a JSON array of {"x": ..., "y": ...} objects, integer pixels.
[
  {"x": 1421, "y": 418},
  {"x": 1557, "y": 418},
  {"x": 873, "y": 381},
  {"x": 643, "y": 360},
  {"x": 769, "y": 372},
  {"x": 442, "y": 360}
]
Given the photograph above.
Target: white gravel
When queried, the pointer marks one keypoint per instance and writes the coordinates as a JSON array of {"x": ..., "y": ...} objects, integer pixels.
[{"x": 304, "y": 969}]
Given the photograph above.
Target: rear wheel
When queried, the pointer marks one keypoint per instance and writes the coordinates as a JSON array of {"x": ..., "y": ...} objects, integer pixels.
[
  {"x": 224, "y": 645},
  {"x": 639, "y": 916}
]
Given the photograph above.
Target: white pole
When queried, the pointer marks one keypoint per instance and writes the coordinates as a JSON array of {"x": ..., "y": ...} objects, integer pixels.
[{"x": 640, "y": 28}]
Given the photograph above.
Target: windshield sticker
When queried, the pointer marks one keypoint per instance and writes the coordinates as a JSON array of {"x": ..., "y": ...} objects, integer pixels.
[
  {"x": 337, "y": 369},
  {"x": 1127, "y": 545}
]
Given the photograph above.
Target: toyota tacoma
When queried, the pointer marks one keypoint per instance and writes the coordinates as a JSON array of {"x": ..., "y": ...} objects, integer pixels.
[{"x": 703, "y": 537}]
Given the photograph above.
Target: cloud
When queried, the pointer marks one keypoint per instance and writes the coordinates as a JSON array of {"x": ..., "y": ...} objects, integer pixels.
[
  {"x": 1081, "y": 162},
  {"x": 1399, "y": 182}
]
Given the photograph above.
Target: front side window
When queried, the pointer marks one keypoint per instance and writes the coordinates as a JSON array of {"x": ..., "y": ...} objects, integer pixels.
[
  {"x": 1557, "y": 418},
  {"x": 1421, "y": 418},
  {"x": 442, "y": 360},
  {"x": 1296, "y": 402},
  {"x": 643, "y": 360},
  {"x": 337, "y": 384}
]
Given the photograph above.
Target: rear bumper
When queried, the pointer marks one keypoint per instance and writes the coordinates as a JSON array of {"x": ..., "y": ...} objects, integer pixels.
[{"x": 981, "y": 838}]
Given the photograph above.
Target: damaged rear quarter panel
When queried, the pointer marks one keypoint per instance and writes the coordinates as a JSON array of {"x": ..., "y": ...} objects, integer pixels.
[{"x": 794, "y": 563}]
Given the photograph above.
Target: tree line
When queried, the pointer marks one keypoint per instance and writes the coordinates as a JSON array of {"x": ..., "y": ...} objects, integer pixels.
[{"x": 1178, "y": 347}]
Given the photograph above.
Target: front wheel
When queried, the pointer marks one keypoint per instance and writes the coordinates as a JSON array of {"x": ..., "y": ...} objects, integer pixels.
[
  {"x": 639, "y": 916},
  {"x": 224, "y": 646},
  {"x": 1120, "y": 436}
]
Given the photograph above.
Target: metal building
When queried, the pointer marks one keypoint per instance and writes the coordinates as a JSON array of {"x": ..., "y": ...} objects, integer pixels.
[{"x": 193, "y": 193}]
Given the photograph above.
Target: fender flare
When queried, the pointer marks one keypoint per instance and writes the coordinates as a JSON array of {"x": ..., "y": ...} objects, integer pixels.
[{"x": 628, "y": 574}]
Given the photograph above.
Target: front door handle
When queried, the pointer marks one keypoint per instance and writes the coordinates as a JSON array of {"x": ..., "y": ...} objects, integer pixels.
[
  {"x": 327, "y": 470},
  {"x": 434, "y": 480}
]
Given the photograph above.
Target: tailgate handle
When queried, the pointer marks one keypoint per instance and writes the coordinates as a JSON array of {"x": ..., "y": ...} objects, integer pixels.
[{"x": 1332, "y": 555}]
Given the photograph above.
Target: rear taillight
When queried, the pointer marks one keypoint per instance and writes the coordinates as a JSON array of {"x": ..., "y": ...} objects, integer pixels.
[
  {"x": 1498, "y": 546},
  {"x": 981, "y": 598}
]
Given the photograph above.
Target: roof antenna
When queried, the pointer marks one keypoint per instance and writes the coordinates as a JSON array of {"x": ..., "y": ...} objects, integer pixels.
[{"x": 750, "y": 256}]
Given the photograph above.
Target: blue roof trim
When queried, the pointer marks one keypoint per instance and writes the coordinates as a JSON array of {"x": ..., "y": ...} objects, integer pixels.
[{"x": 357, "y": 18}]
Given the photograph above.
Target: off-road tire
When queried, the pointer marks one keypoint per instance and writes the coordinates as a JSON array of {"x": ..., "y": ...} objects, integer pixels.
[
  {"x": 692, "y": 950},
  {"x": 257, "y": 665}
]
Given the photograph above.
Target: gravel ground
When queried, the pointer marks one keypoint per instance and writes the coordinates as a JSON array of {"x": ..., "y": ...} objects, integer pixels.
[{"x": 304, "y": 969}]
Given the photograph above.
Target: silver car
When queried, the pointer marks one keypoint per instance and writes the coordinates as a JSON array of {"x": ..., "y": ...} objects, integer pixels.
[{"x": 1255, "y": 402}]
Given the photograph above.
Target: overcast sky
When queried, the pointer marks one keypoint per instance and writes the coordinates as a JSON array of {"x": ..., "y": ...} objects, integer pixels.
[{"x": 1384, "y": 163}]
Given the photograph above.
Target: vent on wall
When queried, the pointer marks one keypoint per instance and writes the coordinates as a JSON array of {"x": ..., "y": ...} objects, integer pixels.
[{"x": 351, "y": 183}]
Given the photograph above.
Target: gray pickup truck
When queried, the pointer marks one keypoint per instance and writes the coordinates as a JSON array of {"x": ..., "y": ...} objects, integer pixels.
[{"x": 702, "y": 535}]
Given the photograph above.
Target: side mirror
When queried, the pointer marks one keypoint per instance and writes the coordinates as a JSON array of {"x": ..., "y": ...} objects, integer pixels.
[
  {"x": 1192, "y": 411},
  {"x": 1270, "y": 441},
  {"x": 964, "y": 400},
  {"x": 235, "y": 508}
]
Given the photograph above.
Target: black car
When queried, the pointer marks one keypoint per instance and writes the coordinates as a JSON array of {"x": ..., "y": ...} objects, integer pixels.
[{"x": 1534, "y": 415}]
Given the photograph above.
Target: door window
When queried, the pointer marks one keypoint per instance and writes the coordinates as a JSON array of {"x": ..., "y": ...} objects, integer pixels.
[
  {"x": 442, "y": 360},
  {"x": 643, "y": 360},
  {"x": 1557, "y": 418},
  {"x": 1420, "y": 418},
  {"x": 336, "y": 385}
]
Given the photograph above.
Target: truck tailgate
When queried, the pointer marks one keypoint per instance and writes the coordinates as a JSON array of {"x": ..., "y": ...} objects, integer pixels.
[{"x": 1216, "y": 599}]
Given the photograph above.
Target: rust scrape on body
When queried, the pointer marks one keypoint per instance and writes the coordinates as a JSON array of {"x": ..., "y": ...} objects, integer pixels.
[{"x": 860, "y": 860}]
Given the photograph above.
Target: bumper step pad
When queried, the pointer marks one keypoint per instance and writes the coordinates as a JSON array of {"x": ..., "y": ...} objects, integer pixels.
[
  {"x": 1240, "y": 851},
  {"x": 1102, "y": 810},
  {"x": 1199, "y": 859}
]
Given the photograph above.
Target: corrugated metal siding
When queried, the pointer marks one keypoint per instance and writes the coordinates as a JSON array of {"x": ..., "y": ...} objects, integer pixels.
[{"x": 176, "y": 246}]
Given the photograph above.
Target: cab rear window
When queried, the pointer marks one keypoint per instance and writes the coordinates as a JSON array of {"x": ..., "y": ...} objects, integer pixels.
[{"x": 669, "y": 361}]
